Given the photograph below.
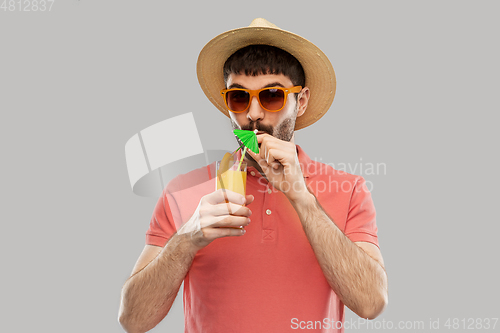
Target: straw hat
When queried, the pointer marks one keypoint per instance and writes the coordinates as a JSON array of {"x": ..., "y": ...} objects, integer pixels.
[{"x": 320, "y": 77}]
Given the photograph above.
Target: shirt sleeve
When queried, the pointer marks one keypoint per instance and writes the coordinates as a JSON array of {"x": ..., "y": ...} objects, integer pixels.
[
  {"x": 361, "y": 223},
  {"x": 161, "y": 226}
]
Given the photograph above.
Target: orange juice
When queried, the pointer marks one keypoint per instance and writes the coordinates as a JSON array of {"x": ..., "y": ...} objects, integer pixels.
[
  {"x": 232, "y": 176},
  {"x": 233, "y": 180}
]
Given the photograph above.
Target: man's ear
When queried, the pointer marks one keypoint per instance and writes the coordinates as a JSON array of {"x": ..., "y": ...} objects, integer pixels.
[{"x": 302, "y": 101}]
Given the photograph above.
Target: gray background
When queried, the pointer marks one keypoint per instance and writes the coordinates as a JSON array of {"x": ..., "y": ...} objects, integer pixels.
[{"x": 417, "y": 89}]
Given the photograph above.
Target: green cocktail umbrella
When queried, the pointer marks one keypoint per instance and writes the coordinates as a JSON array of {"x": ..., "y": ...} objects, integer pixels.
[{"x": 249, "y": 140}]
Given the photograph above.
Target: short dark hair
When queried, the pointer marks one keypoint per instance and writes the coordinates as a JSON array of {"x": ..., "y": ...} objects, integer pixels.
[{"x": 265, "y": 59}]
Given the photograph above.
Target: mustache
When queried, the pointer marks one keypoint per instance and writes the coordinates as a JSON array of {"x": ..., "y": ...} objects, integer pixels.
[{"x": 255, "y": 125}]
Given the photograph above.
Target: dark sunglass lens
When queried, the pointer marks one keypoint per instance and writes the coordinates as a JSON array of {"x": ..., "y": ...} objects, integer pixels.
[
  {"x": 237, "y": 100},
  {"x": 272, "y": 99}
]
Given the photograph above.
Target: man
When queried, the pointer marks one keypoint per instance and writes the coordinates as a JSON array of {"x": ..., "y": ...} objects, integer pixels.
[{"x": 292, "y": 252}]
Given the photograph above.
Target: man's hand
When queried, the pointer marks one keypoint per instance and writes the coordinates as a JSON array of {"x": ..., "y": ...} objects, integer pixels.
[
  {"x": 215, "y": 218},
  {"x": 280, "y": 163}
]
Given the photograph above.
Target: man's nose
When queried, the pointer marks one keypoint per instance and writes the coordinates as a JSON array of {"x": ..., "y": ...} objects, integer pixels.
[{"x": 255, "y": 111}]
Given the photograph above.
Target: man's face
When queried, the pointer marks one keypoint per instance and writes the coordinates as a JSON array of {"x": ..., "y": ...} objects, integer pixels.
[{"x": 279, "y": 124}]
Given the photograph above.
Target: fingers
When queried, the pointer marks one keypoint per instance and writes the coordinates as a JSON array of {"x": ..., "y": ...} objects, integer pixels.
[
  {"x": 250, "y": 198},
  {"x": 226, "y": 209},
  {"x": 266, "y": 154},
  {"x": 228, "y": 221},
  {"x": 261, "y": 160},
  {"x": 275, "y": 157},
  {"x": 215, "y": 218},
  {"x": 224, "y": 214},
  {"x": 222, "y": 195},
  {"x": 274, "y": 151}
]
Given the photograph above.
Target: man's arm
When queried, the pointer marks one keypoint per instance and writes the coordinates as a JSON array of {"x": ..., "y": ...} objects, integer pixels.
[
  {"x": 359, "y": 280},
  {"x": 149, "y": 293},
  {"x": 354, "y": 271}
]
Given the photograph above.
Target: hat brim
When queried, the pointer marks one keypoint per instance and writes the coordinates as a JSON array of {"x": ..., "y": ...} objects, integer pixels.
[{"x": 320, "y": 76}]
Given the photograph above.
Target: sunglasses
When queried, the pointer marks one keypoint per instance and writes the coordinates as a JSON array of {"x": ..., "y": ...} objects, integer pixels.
[{"x": 272, "y": 99}]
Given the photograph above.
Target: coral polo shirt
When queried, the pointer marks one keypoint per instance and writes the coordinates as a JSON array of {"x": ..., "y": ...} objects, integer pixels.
[{"x": 267, "y": 280}]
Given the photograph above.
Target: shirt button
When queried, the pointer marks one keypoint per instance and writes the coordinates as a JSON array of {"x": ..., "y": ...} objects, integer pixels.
[
  {"x": 268, "y": 212},
  {"x": 269, "y": 191},
  {"x": 252, "y": 173}
]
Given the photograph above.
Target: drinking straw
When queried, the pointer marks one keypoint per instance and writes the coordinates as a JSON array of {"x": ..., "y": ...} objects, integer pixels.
[
  {"x": 242, "y": 157},
  {"x": 234, "y": 152}
]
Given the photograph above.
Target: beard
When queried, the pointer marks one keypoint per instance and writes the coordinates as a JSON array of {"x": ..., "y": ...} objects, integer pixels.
[{"x": 284, "y": 131}]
